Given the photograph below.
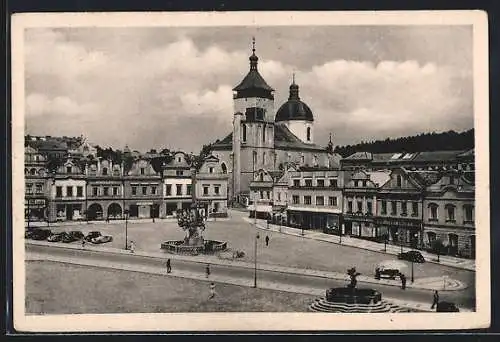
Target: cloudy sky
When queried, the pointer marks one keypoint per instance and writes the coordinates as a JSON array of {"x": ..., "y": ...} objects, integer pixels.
[{"x": 171, "y": 87}]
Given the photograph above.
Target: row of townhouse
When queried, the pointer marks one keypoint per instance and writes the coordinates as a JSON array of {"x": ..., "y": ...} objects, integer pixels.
[
  {"x": 93, "y": 189},
  {"x": 412, "y": 208}
]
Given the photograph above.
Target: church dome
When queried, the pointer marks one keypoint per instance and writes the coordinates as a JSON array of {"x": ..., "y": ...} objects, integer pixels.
[{"x": 294, "y": 108}]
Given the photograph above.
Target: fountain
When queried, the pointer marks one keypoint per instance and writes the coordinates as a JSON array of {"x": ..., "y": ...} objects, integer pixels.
[
  {"x": 351, "y": 299},
  {"x": 192, "y": 222}
]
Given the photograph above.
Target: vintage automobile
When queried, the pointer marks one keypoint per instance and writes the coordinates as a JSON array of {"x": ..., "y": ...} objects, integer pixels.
[
  {"x": 40, "y": 234},
  {"x": 390, "y": 269},
  {"x": 92, "y": 235},
  {"x": 102, "y": 239},
  {"x": 413, "y": 256},
  {"x": 56, "y": 237},
  {"x": 72, "y": 236}
]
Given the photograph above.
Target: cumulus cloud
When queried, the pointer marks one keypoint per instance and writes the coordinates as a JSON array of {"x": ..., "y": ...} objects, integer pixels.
[{"x": 147, "y": 90}]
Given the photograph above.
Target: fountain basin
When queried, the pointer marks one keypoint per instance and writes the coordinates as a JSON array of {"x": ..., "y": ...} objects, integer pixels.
[
  {"x": 353, "y": 296},
  {"x": 180, "y": 247}
]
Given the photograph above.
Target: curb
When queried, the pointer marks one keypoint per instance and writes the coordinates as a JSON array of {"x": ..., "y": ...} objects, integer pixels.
[
  {"x": 259, "y": 226},
  {"x": 240, "y": 264}
]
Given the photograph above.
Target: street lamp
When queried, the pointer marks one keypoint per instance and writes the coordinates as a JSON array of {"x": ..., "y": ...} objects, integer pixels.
[
  {"x": 412, "y": 278},
  {"x": 126, "y": 228},
  {"x": 255, "y": 257},
  {"x": 340, "y": 234}
]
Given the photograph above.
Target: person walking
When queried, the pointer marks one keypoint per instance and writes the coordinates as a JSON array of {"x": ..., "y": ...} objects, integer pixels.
[
  {"x": 435, "y": 300},
  {"x": 207, "y": 271},
  {"x": 212, "y": 291},
  {"x": 132, "y": 246},
  {"x": 169, "y": 266},
  {"x": 403, "y": 281},
  {"x": 83, "y": 243},
  {"x": 267, "y": 240}
]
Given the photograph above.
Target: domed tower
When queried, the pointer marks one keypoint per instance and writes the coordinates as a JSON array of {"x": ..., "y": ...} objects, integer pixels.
[
  {"x": 296, "y": 115},
  {"x": 253, "y": 125}
]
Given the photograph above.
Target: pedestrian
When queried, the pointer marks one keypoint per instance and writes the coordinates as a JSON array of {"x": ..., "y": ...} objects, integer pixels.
[
  {"x": 435, "y": 300},
  {"x": 207, "y": 271},
  {"x": 267, "y": 240},
  {"x": 83, "y": 243},
  {"x": 132, "y": 246},
  {"x": 403, "y": 281},
  {"x": 377, "y": 273},
  {"x": 212, "y": 290},
  {"x": 107, "y": 219},
  {"x": 169, "y": 267}
]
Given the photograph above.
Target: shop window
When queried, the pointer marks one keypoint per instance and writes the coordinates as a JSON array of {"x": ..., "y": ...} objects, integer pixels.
[
  {"x": 307, "y": 199},
  {"x": 433, "y": 212},
  {"x": 320, "y": 200},
  {"x": 431, "y": 237}
]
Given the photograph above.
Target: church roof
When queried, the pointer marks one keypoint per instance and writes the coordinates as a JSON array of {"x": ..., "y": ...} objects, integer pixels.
[
  {"x": 294, "y": 108},
  {"x": 253, "y": 80}
]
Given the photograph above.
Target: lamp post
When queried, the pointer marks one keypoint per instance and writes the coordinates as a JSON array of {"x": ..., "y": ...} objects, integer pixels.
[
  {"x": 255, "y": 257},
  {"x": 401, "y": 242},
  {"x": 385, "y": 243},
  {"x": 412, "y": 278},
  {"x": 126, "y": 228},
  {"x": 340, "y": 233}
]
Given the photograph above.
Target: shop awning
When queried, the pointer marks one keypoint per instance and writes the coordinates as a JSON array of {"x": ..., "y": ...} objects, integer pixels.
[{"x": 315, "y": 210}]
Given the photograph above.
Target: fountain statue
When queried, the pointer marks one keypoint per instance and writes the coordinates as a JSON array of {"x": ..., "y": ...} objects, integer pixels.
[{"x": 192, "y": 221}]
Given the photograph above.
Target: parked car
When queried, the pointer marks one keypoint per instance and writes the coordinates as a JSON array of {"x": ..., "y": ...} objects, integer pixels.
[
  {"x": 72, "y": 236},
  {"x": 447, "y": 307},
  {"x": 56, "y": 237},
  {"x": 102, "y": 239},
  {"x": 390, "y": 269},
  {"x": 413, "y": 256},
  {"x": 40, "y": 234},
  {"x": 92, "y": 235}
]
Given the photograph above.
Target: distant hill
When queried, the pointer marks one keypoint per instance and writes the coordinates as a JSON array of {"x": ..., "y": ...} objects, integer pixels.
[{"x": 446, "y": 141}]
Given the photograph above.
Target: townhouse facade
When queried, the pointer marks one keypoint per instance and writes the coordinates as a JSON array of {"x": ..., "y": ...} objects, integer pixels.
[{"x": 211, "y": 187}]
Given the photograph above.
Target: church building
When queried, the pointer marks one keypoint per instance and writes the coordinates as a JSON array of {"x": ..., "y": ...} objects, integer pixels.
[{"x": 265, "y": 139}]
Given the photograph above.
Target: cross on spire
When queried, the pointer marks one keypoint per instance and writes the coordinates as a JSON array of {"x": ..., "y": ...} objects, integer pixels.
[
  {"x": 253, "y": 45},
  {"x": 293, "y": 77}
]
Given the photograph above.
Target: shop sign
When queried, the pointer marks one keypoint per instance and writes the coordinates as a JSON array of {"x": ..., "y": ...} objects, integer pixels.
[
  {"x": 36, "y": 203},
  {"x": 144, "y": 203}
]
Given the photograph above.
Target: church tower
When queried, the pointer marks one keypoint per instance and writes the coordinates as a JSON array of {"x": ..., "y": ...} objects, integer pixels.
[{"x": 253, "y": 126}]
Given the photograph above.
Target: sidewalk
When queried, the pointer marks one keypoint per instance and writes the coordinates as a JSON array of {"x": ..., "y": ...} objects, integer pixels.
[
  {"x": 418, "y": 306},
  {"x": 466, "y": 264},
  {"x": 429, "y": 283}
]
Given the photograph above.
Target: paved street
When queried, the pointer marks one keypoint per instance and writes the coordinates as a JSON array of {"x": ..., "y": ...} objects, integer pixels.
[{"x": 299, "y": 283}]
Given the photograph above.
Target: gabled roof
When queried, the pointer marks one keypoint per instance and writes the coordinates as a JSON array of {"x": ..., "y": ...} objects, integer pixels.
[
  {"x": 359, "y": 156},
  {"x": 379, "y": 177},
  {"x": 436, "y": 156}
]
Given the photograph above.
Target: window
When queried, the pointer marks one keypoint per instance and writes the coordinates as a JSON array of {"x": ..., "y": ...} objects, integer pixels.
[
  {"x": 105, "y": 171},
  {"x": 178, "y": 189},
  {"x": 144, "y": 190},
  {"x": 399, "y": 181},
  {"x": 264, "y": 134},
  {"x": 179, "y": 159},
  {"x": 450, "y": 213},
  {"x": 69, "y": 191},
  {"x": 58, "y": 191},
  {"x": 279, "y": 196},
  {"x": 369, "y": 209},
  {"x": 349, "y": 206},
  {"x": 320, "y": 200},
  {"x": 217, "y": 189},
  {"x": 393, "y": 208},
  {"x": 404, "y": 209},
  {"x": 468, "y": 213},
  {"x": 332, "y": 201},
  {"x": 333, "y": 183},
  {"x": 261, "y": 177},
  {"x": 309, "y": 182},
  {"x": 268, "y": 194},
  {"x": 302, "y": 159},
  {"x": 414, "y": 209},
  {"x": 360, "y": 206},
  {"x": 244, "y": 133},
  {"x": 383, "y": 205},
  {"x": 307, "y": 199},
  {"x": 264, "y": 158},
  {"x": 115, "y": 191},
  {"x": 153, "y": 190},
  {"x": 308, "y": 133},
  {"x": 68, "y": 169},
  {"x": 320, "y": 183},
  {"x": 106, "y": 191},
  {"x": 79, "y": 191},
  {"x": 169, "y": 190},
  {"x": 295, "y": 199},
  {"x": 296, "y": 182},
  {"x": 188, "y": 189},
  {"x": 95, "y": 191},
  {"x": 261, "y": 194},
  {"x": 205, "y": 189},
  {"x": 39, "y": 188},
  {"x": 211, "y": 170},
  {"x": 433, "y": 212},
  {"x": 134, "y": 190},
  {"x": 142, "y": 170},
  {"x": 364, "y": 183},
  {"x": 179, "y": 173},
  {"x": 29, "y": 188}
]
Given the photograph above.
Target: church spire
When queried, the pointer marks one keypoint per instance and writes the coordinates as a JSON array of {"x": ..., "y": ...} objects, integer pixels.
[
  {"x": 294, "y": 90},
  {"x": 329, "y": 147},
  {"x": 253, "y": 58}
]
